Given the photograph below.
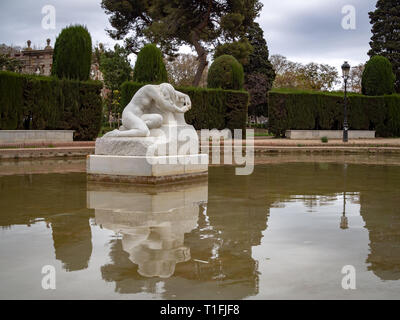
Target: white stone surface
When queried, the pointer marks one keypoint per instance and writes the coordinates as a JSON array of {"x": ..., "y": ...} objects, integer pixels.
[
  {"x": 167, "y": 140},
  {"x": 142, "y": 166},
  {"x": 152, "y": 224},
  {"x": 330, "y": 134},
  {"x": 36, "y": 136}
]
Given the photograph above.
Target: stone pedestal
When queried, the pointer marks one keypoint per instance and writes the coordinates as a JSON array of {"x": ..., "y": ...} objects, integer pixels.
[
  {"x": 146, "y": 170},
  {"x": 169, "y": 154}
]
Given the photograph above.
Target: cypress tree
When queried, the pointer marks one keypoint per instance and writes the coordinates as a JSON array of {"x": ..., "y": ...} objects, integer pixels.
[
  {"x": 72, "y": 57},
  {"x": 385, "y": 40},
  {"x": 378, "y": 78},
  {"x": 258, "y": 71},
  {"x": 226, "y": 73},
  {"x": 150, "y": 66},
  {"x": 259, "y": 58}
]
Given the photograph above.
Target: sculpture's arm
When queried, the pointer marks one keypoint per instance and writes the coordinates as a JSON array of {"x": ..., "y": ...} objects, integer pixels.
[
  {"x": 166, "y": 105},
  {"x": 171, "y": 107},
  {"x": 180, "y": 94},
  {"x": 185, "y": 98}
]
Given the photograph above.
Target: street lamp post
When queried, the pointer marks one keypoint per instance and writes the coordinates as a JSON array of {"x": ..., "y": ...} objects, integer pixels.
[{"x": 346, "y": 72}]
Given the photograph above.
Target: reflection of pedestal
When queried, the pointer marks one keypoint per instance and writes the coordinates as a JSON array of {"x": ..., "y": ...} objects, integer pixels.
[
  {"x": 152, "y": 222},
  {"x": 170, "y": 154}
]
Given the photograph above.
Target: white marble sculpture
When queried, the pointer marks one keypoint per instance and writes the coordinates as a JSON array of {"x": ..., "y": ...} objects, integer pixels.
[
  {"x": 150, "y": 108},
  {"x": 153, "y": 145}
]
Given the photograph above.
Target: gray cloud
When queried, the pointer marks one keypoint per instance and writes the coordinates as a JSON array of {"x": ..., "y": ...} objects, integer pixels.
[
  {"x": 303, "y": 31},
  {"x": 21, "y": 20},
  {"x": 311, "y": 30}
]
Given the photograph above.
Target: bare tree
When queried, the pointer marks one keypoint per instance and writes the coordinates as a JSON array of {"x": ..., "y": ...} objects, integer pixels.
[
  {"x": 311, "y": 76},
  {"x": 356, "y": 77},
  {"x": 182, "y": 71}
]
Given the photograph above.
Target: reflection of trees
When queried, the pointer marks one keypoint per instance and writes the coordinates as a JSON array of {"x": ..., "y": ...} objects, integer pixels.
[
  {"x": 27, "y": 198},
  {"x": 378, "y": 188},
  {"x": 238, "y": 212},
  {"x": 72, "y": 239},
  {"x": 58, "y": 199},
  {"x": 381, "y": 214}
]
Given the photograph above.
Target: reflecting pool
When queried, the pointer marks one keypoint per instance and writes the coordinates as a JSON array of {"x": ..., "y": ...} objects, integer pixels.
[{"x": 284, "y": 232}]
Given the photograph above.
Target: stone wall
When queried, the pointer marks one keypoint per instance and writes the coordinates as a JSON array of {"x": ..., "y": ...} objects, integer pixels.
[{"x": 36, "y": 136}]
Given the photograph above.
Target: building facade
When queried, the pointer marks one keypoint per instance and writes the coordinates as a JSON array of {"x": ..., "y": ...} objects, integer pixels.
[
  {"x": 40, "y": 61},
  {"x": 35, "y": 61}
]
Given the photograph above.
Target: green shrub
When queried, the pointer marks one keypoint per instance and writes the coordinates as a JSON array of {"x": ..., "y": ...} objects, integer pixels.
[
  {"x": 257, "y": 125},
  {"x": 310, "y": 110},
  {"x": 211, "y": 108},
  {"x": 226, "y": 73},
  {"x": 52, "y": 103},
  {"x": 72, "y": 56},
  {"x": 378, "y": 77},
  {"x": 324, "y": 139},
  {"x": 149, "y": 66}
]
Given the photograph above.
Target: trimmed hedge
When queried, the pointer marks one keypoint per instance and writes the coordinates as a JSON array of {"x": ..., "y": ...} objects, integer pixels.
[
  {"x": 52, "y": 103},
  {"x": 211, "y": 108},
  {"x": 309, "y": 110}
]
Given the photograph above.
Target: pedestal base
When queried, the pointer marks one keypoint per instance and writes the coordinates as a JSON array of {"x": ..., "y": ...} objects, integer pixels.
[{"x": 146, "y": 170}]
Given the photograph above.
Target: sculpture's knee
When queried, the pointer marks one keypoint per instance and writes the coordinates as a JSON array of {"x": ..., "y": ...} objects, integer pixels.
[
  {"x": 131, "y": 121},
  {"x": 157, "y": 121},
  {"x": 153, "y": 121},
  {"x": 142, "y": 128}
]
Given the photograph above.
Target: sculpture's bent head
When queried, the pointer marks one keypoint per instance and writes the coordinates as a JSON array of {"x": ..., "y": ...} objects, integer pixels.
[{"x": 168, "y": 92}]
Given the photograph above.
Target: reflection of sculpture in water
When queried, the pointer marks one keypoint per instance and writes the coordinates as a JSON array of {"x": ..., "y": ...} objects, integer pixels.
[
  {"x": 157, "y": 249},
  {"x": 152, "y": 224},
  {"x": 150, "y": 107}
]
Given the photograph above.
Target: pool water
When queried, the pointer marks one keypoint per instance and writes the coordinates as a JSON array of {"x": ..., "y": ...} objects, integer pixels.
[{"x": 284, "y": 232}]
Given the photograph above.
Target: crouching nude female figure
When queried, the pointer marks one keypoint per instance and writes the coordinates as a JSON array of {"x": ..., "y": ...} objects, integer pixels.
[{"x": 152, "y": 106}]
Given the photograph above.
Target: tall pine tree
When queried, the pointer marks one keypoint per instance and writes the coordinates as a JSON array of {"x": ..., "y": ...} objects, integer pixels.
[
  {"x": 171, "y": 24},
  {"x": 385, "y": 40}
]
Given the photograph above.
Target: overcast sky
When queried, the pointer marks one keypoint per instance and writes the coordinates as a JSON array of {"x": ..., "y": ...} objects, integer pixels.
[{"x": 302, "y": 30}]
